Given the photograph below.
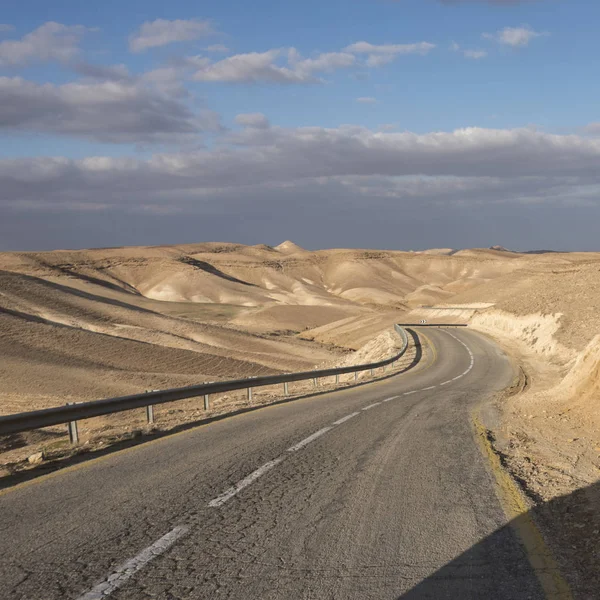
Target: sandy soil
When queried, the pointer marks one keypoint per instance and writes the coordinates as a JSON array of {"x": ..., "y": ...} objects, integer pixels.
[{"x": 86, "y": 324}]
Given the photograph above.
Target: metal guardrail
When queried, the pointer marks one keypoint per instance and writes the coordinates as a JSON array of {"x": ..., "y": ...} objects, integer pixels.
[
  {"x": 71, "y": 413},
  {"x": 433, "y": 324}
]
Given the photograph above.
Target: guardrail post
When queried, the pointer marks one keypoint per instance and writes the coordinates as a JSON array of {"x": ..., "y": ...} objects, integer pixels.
[
  {"x": 206, "y": 402},
  {"x": 70, "y": 416},
  {"x": 285, "y": 388},
  {"x": 73, "y": 433}
]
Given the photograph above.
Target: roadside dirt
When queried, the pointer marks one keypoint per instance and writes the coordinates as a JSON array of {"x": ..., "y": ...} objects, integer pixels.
[
  {"x": 553, "y": 453},
  {"x": 50, "y": 446}
]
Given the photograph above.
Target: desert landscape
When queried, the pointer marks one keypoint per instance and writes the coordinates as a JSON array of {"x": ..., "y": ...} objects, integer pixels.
[{"x": 87, "y": 324}]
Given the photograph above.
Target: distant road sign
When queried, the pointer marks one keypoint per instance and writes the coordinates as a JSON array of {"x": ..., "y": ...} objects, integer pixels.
[{"x": 423, "y": 321}]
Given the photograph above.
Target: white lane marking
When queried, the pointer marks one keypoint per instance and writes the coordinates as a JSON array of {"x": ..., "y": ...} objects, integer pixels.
[
  {"x": 220, "y": 500},
  {"x": 240, "y": 485},
  {"x": 129, "y": 568},
  {"x": 371, "y": 406},
  {"x": 346, "y": 418},
  {"x": 471, "y": 363},
  {"x": 309, "y": 439}
]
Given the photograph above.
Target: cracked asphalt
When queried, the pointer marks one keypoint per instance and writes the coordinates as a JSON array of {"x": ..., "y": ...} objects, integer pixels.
[{"x": 396, "y": 502}]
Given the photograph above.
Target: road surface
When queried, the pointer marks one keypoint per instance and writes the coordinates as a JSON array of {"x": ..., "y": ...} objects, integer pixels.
[{"x": 379, "y": 492}]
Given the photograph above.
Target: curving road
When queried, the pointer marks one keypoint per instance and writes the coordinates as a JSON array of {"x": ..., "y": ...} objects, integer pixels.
[{"x": 379, "y": 491}]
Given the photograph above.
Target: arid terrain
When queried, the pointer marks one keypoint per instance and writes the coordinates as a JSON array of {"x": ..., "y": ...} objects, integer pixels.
[{"x": 86, "y": 324}]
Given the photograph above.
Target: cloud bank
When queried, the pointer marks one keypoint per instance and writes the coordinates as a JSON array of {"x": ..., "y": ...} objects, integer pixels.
[{"x": 161, "y": 32}]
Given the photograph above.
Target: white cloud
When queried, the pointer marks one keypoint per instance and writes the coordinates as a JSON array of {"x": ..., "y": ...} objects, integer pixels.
[
  {"x": 103, "y": 72},
  {"x": 367, "y": 100},
  {"x": 249, "y": 68},
  {"x": 161, "y": 32},
  {"x": 514, "y": 36},
  {"x": 387, "y": 127},
  {"x": 378, "y": 60},
  {"x": 592, "y": 128},
  {"x": 114, "y": 111},
  {"x": 253, "y": 120},
  {"x": 323, "y": 63},
  {"x": 168, "y": 80},
  {"x": 473, "y": 54},
  {"x": 378, "y": 55},
  {"x": 272, "y": 66},
  {"x": 51, "y": 41},
  {"x": 218, "y": 48},
  {"x": 498, "y": 2},
  {"x": 524, "y": 160},
  {"x": 278, "y": 179},
  {"x": 367, "y": 48}
]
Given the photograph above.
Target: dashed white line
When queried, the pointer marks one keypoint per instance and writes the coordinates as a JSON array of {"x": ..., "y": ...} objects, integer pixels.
[
  {"x": 232, "y": 491},
  {"x": 240, "y": 485},
  {"x": 371, "y": 406},
  {"x": 129, "y": 568},
  {"x": 309, "y": 439},
  {"x": 125, "y": 571},
  {"x": 346, "y": 418}
]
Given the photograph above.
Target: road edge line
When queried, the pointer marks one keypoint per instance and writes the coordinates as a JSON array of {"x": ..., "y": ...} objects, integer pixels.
[{"x": 516, "y": 508}]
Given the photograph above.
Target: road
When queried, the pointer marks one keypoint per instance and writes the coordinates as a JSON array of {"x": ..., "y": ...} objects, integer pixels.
[{"x": 378, "y": 491}]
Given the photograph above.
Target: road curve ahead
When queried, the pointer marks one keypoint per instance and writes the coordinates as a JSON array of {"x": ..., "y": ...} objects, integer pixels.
[{"x": 374, "y": 492}]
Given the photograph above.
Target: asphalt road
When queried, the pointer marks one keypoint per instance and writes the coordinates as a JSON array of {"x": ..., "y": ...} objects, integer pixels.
[{"x": 299, "y": 500}]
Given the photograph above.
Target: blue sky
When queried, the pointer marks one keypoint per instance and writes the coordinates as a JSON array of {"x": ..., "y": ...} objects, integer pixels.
[{"x": 159, "y": 115}]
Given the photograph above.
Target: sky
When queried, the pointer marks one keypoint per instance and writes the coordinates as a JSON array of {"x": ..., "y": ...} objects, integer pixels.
[{"x": 397, "y": 124}]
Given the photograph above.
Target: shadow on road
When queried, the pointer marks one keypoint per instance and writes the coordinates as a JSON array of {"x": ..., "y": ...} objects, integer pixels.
[{"x": 500, "y": 568}]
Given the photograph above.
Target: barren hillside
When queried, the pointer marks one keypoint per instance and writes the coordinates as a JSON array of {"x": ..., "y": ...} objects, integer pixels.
[{"x": 85, "y": 324}]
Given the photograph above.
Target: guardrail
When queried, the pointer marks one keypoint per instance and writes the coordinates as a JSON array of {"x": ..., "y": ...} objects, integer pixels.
[
  {"x": 432, "y": 324},
  {"x": 71, "y": 413}
]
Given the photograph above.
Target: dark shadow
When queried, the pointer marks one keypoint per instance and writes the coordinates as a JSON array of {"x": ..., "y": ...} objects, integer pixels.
[
  {"x": 66, "y": 269},
  {"x": 65, "y": 289},
  {"x": 208, "y": 268},
  {"x": 35, "y": 319},
  {"x": 140, "y": 437},
  {"x": 499, "y": 567}
]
